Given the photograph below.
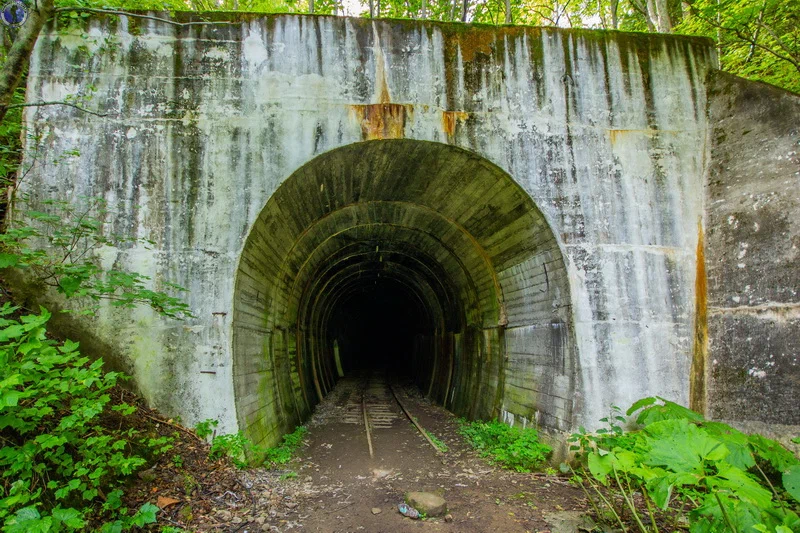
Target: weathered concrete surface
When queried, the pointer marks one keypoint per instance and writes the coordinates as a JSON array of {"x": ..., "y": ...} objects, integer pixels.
[
  {"x": 753, "y": 252},
  {"x": 604, "y": 132}
]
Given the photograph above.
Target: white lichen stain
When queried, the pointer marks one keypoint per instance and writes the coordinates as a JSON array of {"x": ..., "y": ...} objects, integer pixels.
[
  {"x": 254, "y": 52},
  {"x": 757, "y": 373},
  {"x": 743, "y": 246},
  {"x": 217, "y": 53}
]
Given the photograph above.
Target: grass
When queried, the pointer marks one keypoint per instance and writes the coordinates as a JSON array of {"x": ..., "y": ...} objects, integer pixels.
[
  {"x": 510, "y": 447},
  {"x": 283, "y": 453},
  {"x": 438, "y": 442}
]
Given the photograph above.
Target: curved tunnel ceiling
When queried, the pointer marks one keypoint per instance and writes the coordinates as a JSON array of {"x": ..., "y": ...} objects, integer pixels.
[{"x": 442, "y": 225}]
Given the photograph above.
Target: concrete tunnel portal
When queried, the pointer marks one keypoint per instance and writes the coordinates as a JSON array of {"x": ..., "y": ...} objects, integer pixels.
[{"x": 413, "y": 257}]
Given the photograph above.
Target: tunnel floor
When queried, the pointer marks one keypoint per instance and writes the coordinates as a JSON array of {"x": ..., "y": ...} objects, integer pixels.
[{"x": 347, "y": 490}]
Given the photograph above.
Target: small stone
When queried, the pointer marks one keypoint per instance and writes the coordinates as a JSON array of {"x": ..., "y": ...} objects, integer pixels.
[
  {"x": 569, "y": 521},
  {"x": 376, "y": 510},
  {"x": 428, "y": 503},
  {"x": 448, "y": 517},
  {"x": 148, "y": 476}
]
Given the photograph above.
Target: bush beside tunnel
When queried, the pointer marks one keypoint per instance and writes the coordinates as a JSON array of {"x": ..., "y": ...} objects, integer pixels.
[{"x": 410, "y": 257}]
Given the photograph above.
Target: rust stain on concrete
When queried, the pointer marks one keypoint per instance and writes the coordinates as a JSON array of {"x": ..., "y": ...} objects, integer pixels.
[
  {"x": 383, "y": 121},
  {"x": 450, "y": 119},
  {"x": 697, "y": 378},
  {"x": 617, "y": 135}
]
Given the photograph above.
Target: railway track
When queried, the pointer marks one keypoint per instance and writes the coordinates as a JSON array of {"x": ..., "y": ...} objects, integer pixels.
[{"x": 373, "y": 402}]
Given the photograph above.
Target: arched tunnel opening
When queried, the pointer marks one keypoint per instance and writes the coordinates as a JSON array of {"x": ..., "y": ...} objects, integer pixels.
[{"x": 412, "y": 258}]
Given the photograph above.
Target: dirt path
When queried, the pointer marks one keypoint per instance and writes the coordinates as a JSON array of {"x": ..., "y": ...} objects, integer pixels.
[{"x": 339, "y": 487}]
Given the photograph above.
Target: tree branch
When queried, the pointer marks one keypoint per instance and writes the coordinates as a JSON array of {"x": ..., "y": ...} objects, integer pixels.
[
  {"x": 791, "y": 54},
  {"x": 19, "y": 55},
  {"x": 141, "y": 16},
  {"x": 37, "y": 104}
]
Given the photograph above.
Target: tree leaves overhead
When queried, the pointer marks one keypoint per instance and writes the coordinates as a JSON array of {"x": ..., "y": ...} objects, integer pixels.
[{"x": 755, "y": 39}]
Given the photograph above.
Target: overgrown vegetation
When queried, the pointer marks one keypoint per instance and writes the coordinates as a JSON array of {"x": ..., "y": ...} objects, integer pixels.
[
  {"x": 283, "y": 453},
  {"x": 677, "y": 463},
  {"x": 441, "y": 446},
  {"x": 62, "y": 462},
  {"x": 243, "y": 453},
  {"x": 510, "y": 447},
  {"x": 56, "y": 246},
  {"x": 66, "y": 448}
]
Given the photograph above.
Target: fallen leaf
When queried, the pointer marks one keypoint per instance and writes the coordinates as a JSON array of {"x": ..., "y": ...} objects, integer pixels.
[{"x": 165, "y": 501}]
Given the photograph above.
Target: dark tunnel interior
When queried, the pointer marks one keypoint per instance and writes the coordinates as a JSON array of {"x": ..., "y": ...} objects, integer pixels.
[{"x": 375, "y": 327}]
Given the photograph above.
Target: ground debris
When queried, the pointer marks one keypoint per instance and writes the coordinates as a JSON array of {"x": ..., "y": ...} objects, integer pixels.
[{"x": 198, "y": 494}]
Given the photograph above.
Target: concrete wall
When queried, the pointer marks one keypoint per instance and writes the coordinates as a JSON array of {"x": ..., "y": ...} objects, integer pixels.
[
  {"x": 753, "y": 253},
  {"x": 605, "y": 132}
]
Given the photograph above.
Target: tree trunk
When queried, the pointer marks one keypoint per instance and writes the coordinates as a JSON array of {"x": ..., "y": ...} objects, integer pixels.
[
  {"x": 424, "y": 13},
  {"x": 614, "y": 14},
  {"x": 311, "y": 6},
  {"x": 464, "y": 7},
  {"x": 651, "y": 16},
  {"x": 20, "y": 53},
  {"x": 509, "y": 19},
  {"x": 662, "y": 17}
]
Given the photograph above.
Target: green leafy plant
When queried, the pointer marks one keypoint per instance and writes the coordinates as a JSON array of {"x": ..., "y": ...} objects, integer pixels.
[
  {"x": 243, "y": 453},
  {"x": 729, "y": 481},
  {"x": 56, "y": 245},
  {"x": 58, "y": 457},
  {"x": 173, "y": 529},
  {"x": 206, "y": 428},
  {"x": 438, "y": 442},
  {"x": 283, "y": 453},
  {"x": 232, "y": 446},
  {"x": 511, "y": 447}
]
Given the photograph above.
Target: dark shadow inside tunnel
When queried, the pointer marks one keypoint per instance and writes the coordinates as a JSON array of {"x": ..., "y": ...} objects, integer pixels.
[
  {"x": 412, "y": 257},
  {"x": 374, "y": 328}
]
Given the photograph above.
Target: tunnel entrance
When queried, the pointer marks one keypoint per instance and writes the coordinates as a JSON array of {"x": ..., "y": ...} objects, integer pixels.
[{"x": 417, "y": 258}]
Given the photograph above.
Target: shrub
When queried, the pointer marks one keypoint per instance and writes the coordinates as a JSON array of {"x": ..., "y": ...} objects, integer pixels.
[
  {"x": 730, "y": 481},
  {"x": 58, "y": 460},
  {"x": 511, "y": 447},
  {"x": 282, "y": 453},
  {"x": 243, "y": 453}
]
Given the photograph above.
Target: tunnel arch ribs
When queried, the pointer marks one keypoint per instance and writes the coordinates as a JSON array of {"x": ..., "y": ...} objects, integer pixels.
[{"x": 412, "y": 256}]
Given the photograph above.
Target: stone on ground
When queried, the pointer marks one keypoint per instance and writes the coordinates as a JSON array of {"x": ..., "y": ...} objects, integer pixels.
[
  {"x": 569, "y": 522},
  {"x": 428, "y": 503}
]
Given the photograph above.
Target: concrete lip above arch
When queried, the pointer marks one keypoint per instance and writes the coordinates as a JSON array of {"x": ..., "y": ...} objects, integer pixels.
[{"x": 438, "y": 222}]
